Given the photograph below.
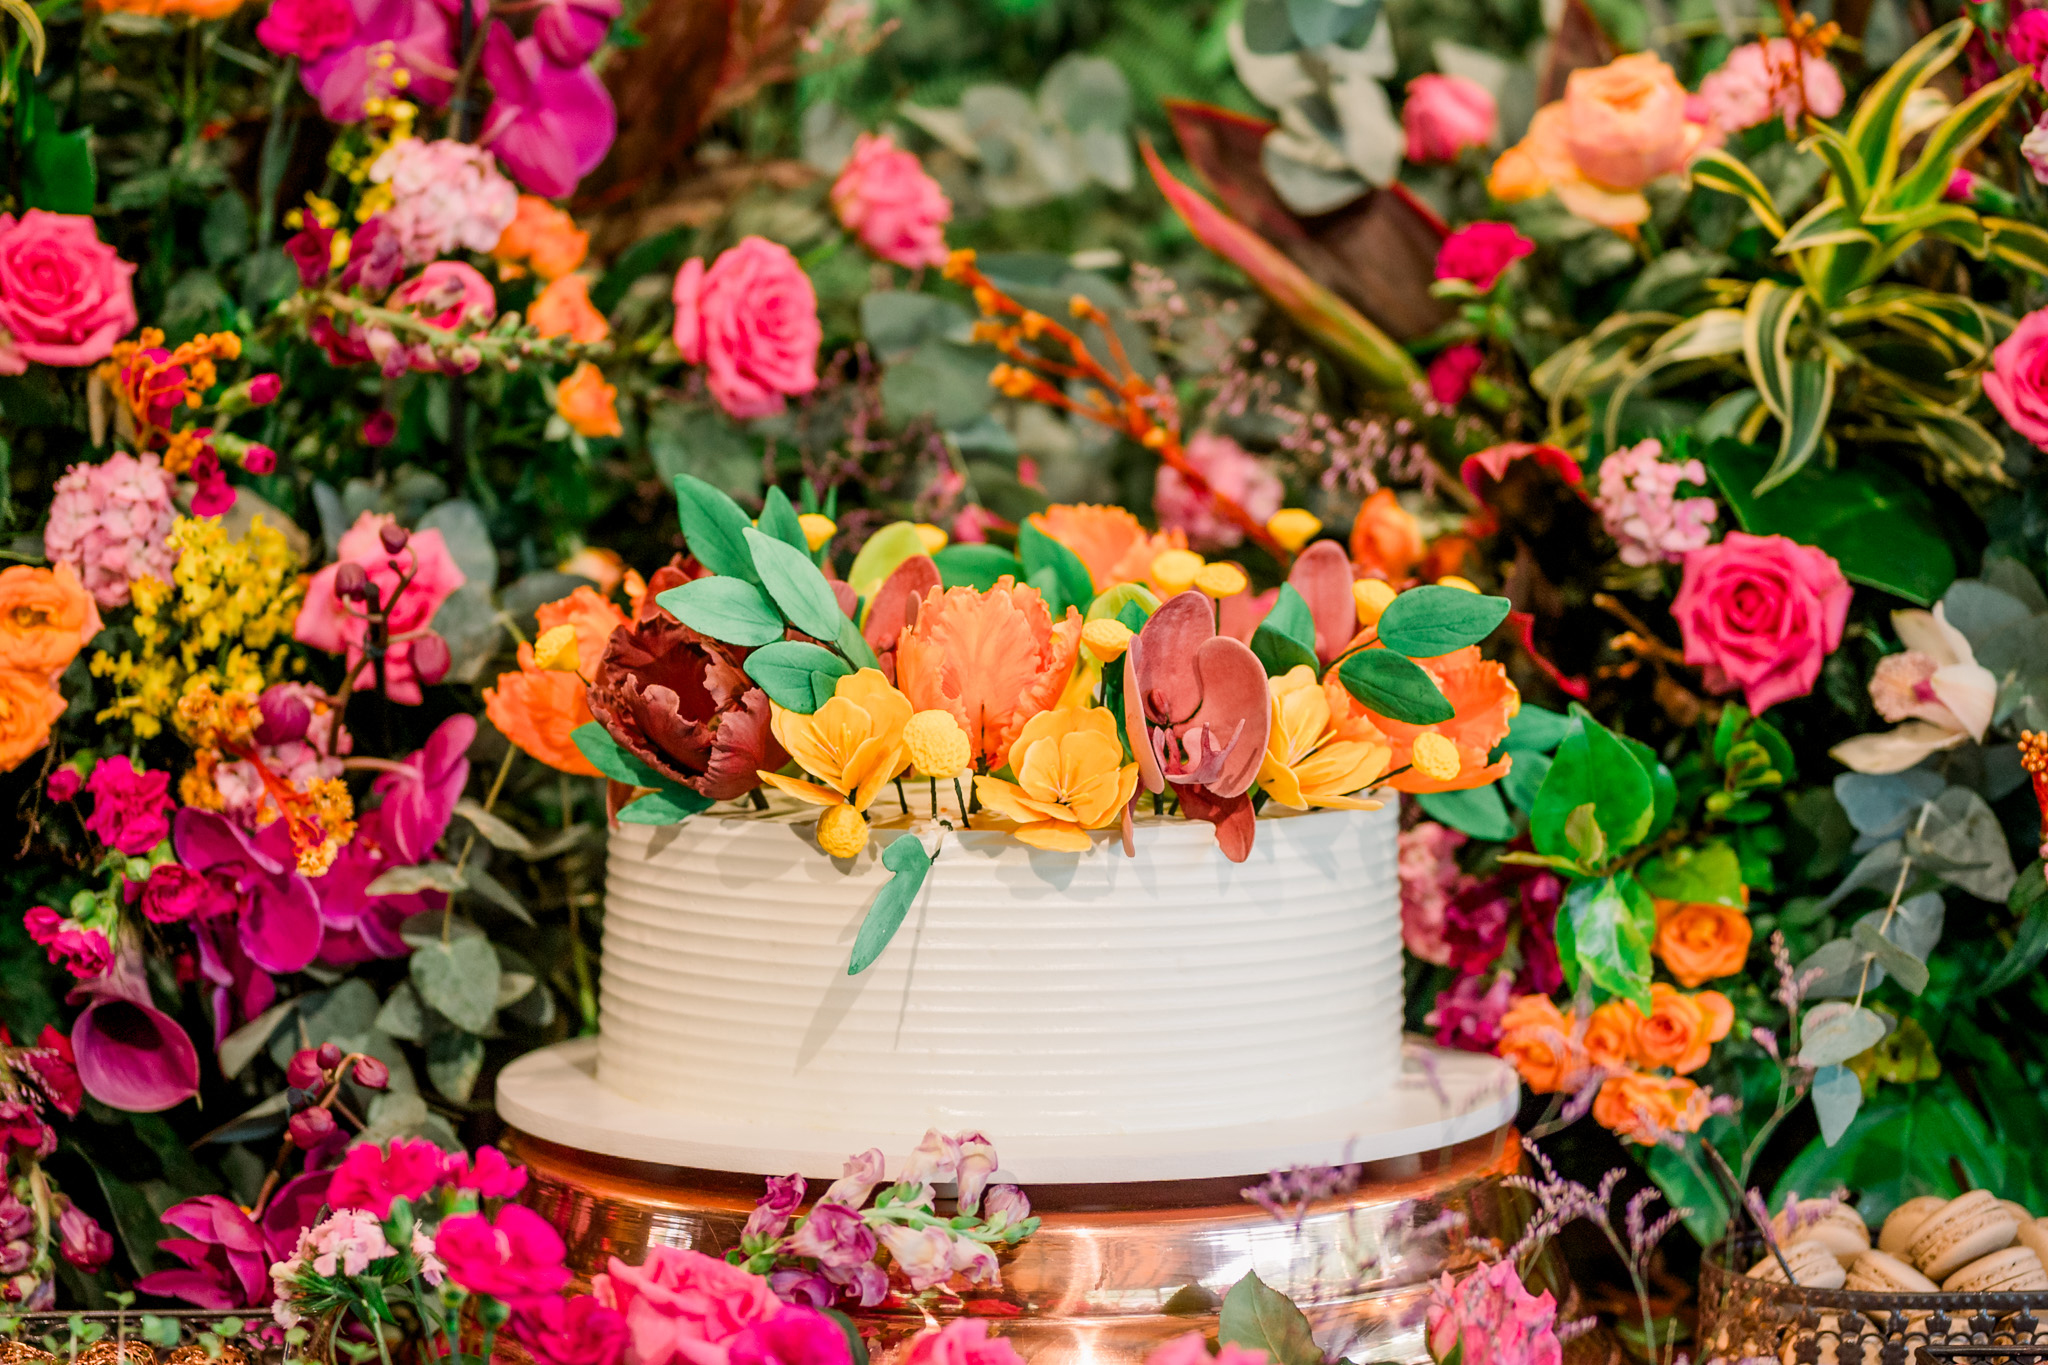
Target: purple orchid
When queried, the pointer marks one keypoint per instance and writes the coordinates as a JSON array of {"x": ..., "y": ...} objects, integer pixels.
[
  {"x": 278, "y": 923},
  {"x": 417, "y": 807},
  {"x": 419, "y": 37},
  {"x": 549, "y": 123},
  {"x": 227, "y": 1258},
  {"x": 568, "y": 31},
  {"x": 130, "y": 1054}
]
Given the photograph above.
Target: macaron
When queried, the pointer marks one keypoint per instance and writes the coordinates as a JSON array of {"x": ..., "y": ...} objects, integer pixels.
[
  {"x": 2033, "y": 1235},
  {"x": 1813, "y": 1267},
  {"x": 2019, "y": 1213},
  {"x": 2013, "y": 1270},
  {"x": 1829, "y": 1222},
  {"x": 1966, "y": 1229},
  {"x": 1905, "y": 1220},
  {"x": 1876, "y": 1273}
]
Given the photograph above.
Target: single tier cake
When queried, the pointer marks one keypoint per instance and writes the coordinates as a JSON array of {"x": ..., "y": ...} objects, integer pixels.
[{"x": 1027, "y": 993}]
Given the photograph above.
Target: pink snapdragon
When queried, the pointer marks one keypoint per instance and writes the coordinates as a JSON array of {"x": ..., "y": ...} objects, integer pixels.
[
  {"x": 1758, "y": 80},
  {"x": 1489, "y": 1318},
  {"x": 111, "y": 522},
  {"x": 884, "y": 198},
  {"x": 445, "y": 194},
  {"x": 751, "y": 320},
  {"x": 131, "y": 806},
  {"x": 1232, "y": 471},
  {"x": 1640, "y": 508}
]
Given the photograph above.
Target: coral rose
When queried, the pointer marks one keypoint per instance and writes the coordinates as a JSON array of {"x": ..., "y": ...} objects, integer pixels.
[
  {"x": 884, "y": 197},
  {"x": 751, "y": 320},
  {"x": 564, "y": 309},
  {"x": 1538, "y": 1042},
  {"x": 1699, "y": 941},
  {"x": 64, "y": 294},
  {"x": 1643, "y": 1109},
  {"x": 588, "y": 403},
  {"x": 1625, "y": 122},
  {"x": 1444, "y": 115},
  {"x": 1610, "y": 1039},
  {"x": 992, "y": 660},
  {"x": 1114, "y": 545},
  {"x": 29, "y": 706},
  {"x": 1386, "y": 540},
  {"x": 46, "y": 617},
  {"x": 1680, "y": 1030},
  {"x": 543, "y": 237},
  {"x": 538, "y": 710},
  {"x": 1761, "y": 613},
  {"x": 2017, "y": 382}
]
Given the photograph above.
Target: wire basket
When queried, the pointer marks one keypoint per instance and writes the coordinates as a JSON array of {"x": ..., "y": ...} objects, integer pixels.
[{"x": 1743, "y": 1318}]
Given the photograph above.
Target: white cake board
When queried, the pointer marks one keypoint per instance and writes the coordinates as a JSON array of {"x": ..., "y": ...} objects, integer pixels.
[{"x": 1443, "y": 1097}]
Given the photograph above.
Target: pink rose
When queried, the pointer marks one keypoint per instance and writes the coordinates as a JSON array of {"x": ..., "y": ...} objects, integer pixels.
[
  {"x": 963, "y": 1341},
  {"x": 1480, "y": 254},
  {"x": 1444, "y": 115},
  {"x": 1491, "y": 1319},
  {"x": 325, "y": 623},
  {"x": 1452, "y": 372},
  {"x": 683, "y": 1306},
  {"x": 1231, "y": 471},
  {"x": 884, "y": 197},
  {"x": 2017, "y": 382},
  {"x": 64, "y": 294},
  {"x": 306, "y": 29},
  {"x": 752, "y": 321},
  {"x": 1760, "y": 613}
]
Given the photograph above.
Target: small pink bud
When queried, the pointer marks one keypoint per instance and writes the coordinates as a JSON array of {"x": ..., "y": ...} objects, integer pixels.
[
  {"x": 264, "y": 389},
  {"x": 380, "y": 429},
  {"x": 372, "y": 1074},
  {"x": 285, "y": 717},
  {"x": 259, "y": 459},
  {"x": 329, "y": 1056},
  {"x": 64, "y": 784},
  {"x": 394, "y": 537},
  {"x": 431, "y": 659},
  {"x": 310, "y": 1127},
  {"x": 303, "y": 1071}
]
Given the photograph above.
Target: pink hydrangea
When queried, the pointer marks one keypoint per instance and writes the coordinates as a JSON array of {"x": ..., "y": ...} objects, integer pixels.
[
  {"x": 884, "y": 197},
  {"x": 751, "y": 320},
  {"x": 1760, "y": 613},
  {"x": 370, "y": 1177},
  {"x": 131, "y": 806},
  {"x": 1640, "y": 507},
  {"x": 1489, "y": 1318},
  {"x": 445, "y": 195},
  {"x": 1429, "y": 874},
  {"x": 325, "y": 622},
  {"x": 111, "y": 522},
  {"x": 1758, "y": 81},
  {"x": 1231, "y": 471}
]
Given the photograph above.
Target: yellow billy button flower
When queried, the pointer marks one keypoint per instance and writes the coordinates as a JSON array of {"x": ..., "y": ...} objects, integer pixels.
[
  {"x": 1434, "y": 756},
  {"x": 842, "y": 832},
  {"x": 817, "y": 529},
  {"x": 852, "y": 745},
  {"x": 1371, "y": 595},
  {"x": 937, "y": 745},
  {"x": 1451, "y": 580},
  {"x": 1106, "y": 639},
  {"x": 1293, "y": 527},
  {"x": 933, "y": 537},
  {"x": 1174, "y": 571},
  {"x": 1070, "y": 779},
  {"x": 1221, "y": 580},
  {"x": 555, "y": 650},
  {"x": 1306, "y": 763}
]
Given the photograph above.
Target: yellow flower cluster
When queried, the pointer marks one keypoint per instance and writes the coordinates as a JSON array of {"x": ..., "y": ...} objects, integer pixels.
[{"x": 221, "y": 623}]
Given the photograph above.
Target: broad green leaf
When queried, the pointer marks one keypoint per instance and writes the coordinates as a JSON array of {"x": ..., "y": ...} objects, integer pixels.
[
  {"x": 1286, "y": 639},
  {"x": 1708, "y": 875},
  {"x": 1258, "y": 1317},
  {"x": 1904, "y": 1142},
  {"x": 1478, "y": 811},
  {"x": 459, "y": 978},
  {"x": 714, "y": 528},
  {"x": 905, "y": 856},
  {"x": 1525, "y": 778},
  {"x": 1663, "y": 787},
  {"x": 595, "y": 743},
  {"x": 1717, "y": 170},
  {"x": 2029, "y": 900},
  {"x": 787, "y": 670},
  {"x": 884, "y": 551},
  {"x": 778, "y": 519},
  {"x": 976, "y": 566},
  {"x": 1432, "y": 621},
  {"x": 1604, "y": 931},
  {"x": 1582, "y": 831},
  {"x": 1395, "y": 686},
  {"x": 1532, "y": 727},
  {"x": 1833, "y": 1031},
  {"x": 671, "y": 804},
  {"x": 1593, "y": 765},
  {"x": 58, "y": 174},
  {"x": 728, "y": 609},
  {"x": 796, "y": 584},
  {"x": 1876, "y": 126},
  {"x": 1039, "y": 552}
]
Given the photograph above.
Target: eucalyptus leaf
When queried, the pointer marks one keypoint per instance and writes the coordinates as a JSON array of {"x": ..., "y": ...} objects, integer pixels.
[
  {"x": 1961, "y": 840},
  {"x": 407, "y": 881},
  {"x": 1909, "y": 971},
  {"x": 245, "y": 1044},
  {"x": 906, "y": 857},
  {"x": 1834, "y": 1031},
  {"x": 1837, "y": 1095},
  {"x": 482, "y": 883},
  {"x": 1879, "y": 804},
  {"x": 458, "y": 978},
  {"x": 454, "y": 1061},
  {"x": 495, "y": 829}
]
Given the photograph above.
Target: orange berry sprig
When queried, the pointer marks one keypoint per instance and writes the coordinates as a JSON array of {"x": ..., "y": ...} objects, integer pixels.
[{"x": 1120, "y": 400}]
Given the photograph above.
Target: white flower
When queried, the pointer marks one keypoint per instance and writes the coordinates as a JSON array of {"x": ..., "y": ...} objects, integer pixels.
[{"x": 1936, "y": 687}]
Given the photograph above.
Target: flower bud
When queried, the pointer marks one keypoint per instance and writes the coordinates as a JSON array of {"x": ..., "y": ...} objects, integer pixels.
[
  {"x": 842, "y": 832},
  {"x": 303, "y": 1072},
  {"x": 394, "y": 537},
  {"x": 64, "y": 784},
  {"x": 310, "y": 1127},
  {"x": 1173, "y": 572},
  {"x": 431, "y": 659},
  {"x": 259, "y": 459},
  {"x": 1107, "y": 639},
  {"x": 934, "y": 537},
  {"x": 818, "y": 529},
  {"x": 350, "y": 580},
  {"x": 380, "y": 429},
  {"x": 1005, "y": 1205},
  {"x": 285, "y": 717},
  {"x": 329, "y": 1056},
  {"x": 1293, "y": 527},
  {"x": 264, "y": 390},
  {"x": 372, "y": 1074},
  {"x": 1371, "y": 596},
  {"x": 1221, "y": 580}
]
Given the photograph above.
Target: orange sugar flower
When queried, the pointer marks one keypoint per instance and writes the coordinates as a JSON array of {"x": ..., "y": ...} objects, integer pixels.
[
  {"x": 1485, "y": 700},
  {"x": 993, "y": 659},
  {"x": 1680, "y": 1031},
  {"x": 587, "y": 403},
  {"x": 46, "y": 617},
  {"x": 1071, "y": 778},
  {"x": 594, "y": 620},
  {"x": 543, "y": 237},
  {"x": 1307, "y": 762},
  {"x": 1699, "y": 941},
  {"x": 564, "y": 309},
  {"x": 1114, "y": 545},
  {"x": 1386, "y": 540},
  {"x": 1641, "y": 1108},
  {"x": 29, "y": 706},
  {"x": 538, "y": 710}
]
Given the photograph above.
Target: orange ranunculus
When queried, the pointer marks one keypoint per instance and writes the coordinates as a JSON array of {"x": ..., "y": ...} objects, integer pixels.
[
  {"x": 587, "y": 403},
  {"x": 1641, "y": 1108},
  {"x": 29, "y": 705},
  {"x": 1071, "y": 778},
  {"x": 1386, "y": 540},
  {"x": 543, "y": 237},
  {"x": 46, "y": 617},
  {"x": 1611, "y": 1036},
  {"x": 1538, "y": 1042},
  {"x": 1114, "y": 545},
  {"x": 594, "y": 619},
  {"x": 1485, "y": 700},
  {"x": 1680, "y": 1030},
  {"x": 1700, "y": 941},
  {"x": 993, "y": 659},
  {"x": 564, "y": 309},
  {"x": 538, "y": 709}
]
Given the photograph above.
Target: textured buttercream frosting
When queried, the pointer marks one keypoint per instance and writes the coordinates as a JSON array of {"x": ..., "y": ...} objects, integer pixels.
[{"x": 1027, "y": 993}]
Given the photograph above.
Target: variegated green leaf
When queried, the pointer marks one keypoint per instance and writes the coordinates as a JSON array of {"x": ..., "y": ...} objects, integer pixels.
[
  {"x": 1719, "y": 171},
  {"x": 31, "y": 28},
  {"x": 1850, "y": 182},
  {"x": 1874, "y": 129},
  {"x": 2017, "y": 243},
  {"x": 1964, "y": 447},
  {"x": 1955, "y": 138},
  {"x": 1828, "y": 223},
  {"x": 1716, "y": 332},
  {"x": 1766, "y": 333},
  {"x": 1811, "y": 399}
]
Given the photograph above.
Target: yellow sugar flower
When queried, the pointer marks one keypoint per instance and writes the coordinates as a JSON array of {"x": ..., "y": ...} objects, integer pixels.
[
  {"x": 853, "y": 744},
  {"x": 1306, "y": 763},
  {"x": 938, "y": 747},
  {"x": 1071, "y": 778}
]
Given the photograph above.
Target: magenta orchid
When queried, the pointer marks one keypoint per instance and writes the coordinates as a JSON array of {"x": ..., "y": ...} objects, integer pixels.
[{"x": 550, "y": 122}]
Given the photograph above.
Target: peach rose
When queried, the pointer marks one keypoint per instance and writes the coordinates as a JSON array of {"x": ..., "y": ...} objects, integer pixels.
[
  {"x": 46, "y": 617},
  {"x": 1640, "y": 1108},
  {"x": 539, "y": 710},
  {"x": 1610, "y": 1040},
  {"x": 1700, "y": 942},
  {"x": 1537, "y": 1041},
  {"x": 29, "y": 706},
  {"x": 1625, "y": 122},
  {"x": 1680, "y": 1030},
  {"x": 1386, "y": 539}
]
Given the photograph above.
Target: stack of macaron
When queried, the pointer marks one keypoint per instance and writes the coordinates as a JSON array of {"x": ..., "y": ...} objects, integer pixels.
[{"x": 1974, "y": 1244}]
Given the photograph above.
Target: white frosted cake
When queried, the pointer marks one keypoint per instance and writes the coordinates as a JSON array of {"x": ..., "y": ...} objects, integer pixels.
[{"x": 1026, "y": 994}]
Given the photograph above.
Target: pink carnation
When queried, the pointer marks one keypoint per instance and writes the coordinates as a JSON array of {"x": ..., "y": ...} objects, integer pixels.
[
  {"x": 2017, "y": 382},
  {"x": 1452, "y": 372},
  {"x": 1444, "y": 115},
  {"x": 1491, "y": 1319},
  {"x": 445, "y": 195},
  {"x": 489, "y": 1174},
  {"x": 683, "y": 1306},
  {"x": 324, "y": 623},
  {"x": 1429, "y": 873},
  {"x": 751, "y": 321},
  {"x": 2026, "y": 38},
  {"x": 1640, "y": 508},
  {"x": 131, "y": 806},
  {"x": 1480, "y": 253},
  {"x": 111, "y": 522},
  {"x": 515, "y": 1255},
  {"x": 1761, "y": 613},
  {"x": 64, "y": 294},
  {"x": 884, "y": 197},
  {"x": 370, "y": 1177},
  {"x": 1231, "y": 471},
  {"x": 1758, "y": 81},
  {"x": 573, "y": 1331}
]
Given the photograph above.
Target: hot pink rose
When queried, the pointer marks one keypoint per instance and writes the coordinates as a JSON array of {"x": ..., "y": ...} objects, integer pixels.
[
  {"x": 752, "y": 321},
  {"x": 963, "y": 1341},
  {"x": 884, "y": 197},
  {"x": 683, "y": 1306},
  {"x": 2017, "y": 382},
  {"x": 1444, "y": 115},
  {"x": 325, "y": 622},
  {"x": 1760, "y": 613},
  {"x": 64, "y": 294},
  {"x": 1480, "y": 254}
]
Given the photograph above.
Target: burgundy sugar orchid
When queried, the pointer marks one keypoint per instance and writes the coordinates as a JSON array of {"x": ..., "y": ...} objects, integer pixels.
[
  {"x": 129, "y": 1054},
  {"x": 679, "y": 702},
  {"x": 894, "y": 608},
  {"x": 1198, "y": 714},
  {"x": 550, "y": 123}
]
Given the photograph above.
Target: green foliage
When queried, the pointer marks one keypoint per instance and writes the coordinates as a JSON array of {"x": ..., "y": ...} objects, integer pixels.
[
  {"x": 906, "y": 859},
  {"x": 1394, "y": 686}
]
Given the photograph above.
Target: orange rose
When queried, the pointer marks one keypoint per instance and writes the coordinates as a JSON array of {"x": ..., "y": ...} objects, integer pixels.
[
  {"x": 29, "y": 706},
  {"x": 544, "y": 237},
  {"x": 587, "y": 403},
  {"x": 594, "y": 619},
  {"x": 1385, "y": 539},
  {"x": 1681, "y": 1029},
  {"x": 538, "y": 710},
  {"x": 46, "y": 616},
  {"x": 1611, "y": 1036},
  {"x": 1641, "y": 1108},
  {"x": 564, "y": 309},
  {"x": 602, "y": 567},
  {"x": 1700, "y": 942},
  {"x": 1537, "y": 1041}
]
